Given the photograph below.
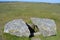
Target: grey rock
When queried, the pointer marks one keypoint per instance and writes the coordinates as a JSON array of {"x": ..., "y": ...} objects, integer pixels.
[
  {"x": 47, "y": 27},
  {"x": 17, "y": 27},
  {"x": 37, "y": 33}
]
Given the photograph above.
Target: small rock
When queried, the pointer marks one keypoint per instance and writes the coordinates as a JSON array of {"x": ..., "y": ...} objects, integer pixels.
[
  {"x": 35, "y": 39},
  {"x": 37, "y": 33}
]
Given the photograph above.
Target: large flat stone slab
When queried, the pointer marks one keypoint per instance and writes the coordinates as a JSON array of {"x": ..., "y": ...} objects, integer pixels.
[
  {"x": 17, "y": 27},
  {"x": 47, "y": 27}
]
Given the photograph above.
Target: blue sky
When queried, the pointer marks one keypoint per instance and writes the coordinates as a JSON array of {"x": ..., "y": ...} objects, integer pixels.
[{"x": 49, "y": 1}]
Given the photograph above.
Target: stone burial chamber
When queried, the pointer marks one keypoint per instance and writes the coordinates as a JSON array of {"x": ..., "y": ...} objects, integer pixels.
[
  {"x": 17, "y": 27},
  {"x": 47, "y": 27}
]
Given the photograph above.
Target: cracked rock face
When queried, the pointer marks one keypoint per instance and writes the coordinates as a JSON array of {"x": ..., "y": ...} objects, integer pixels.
[
  {"x": 47, "y": 27},
  {"x": 17, "y": 27}
]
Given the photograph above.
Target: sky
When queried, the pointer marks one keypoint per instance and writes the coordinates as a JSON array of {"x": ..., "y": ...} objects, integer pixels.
[{"x": 49, "y": 1}]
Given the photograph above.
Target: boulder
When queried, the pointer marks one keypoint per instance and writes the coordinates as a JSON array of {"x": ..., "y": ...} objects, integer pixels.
[
  {"x": 17, "y": 27},
  {"x": 47, "y": 27}
]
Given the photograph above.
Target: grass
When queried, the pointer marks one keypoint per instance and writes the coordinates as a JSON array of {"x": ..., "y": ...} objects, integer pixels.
[
  {"x": 17, "y": 10},
  {"x": 12, "y": 37}
]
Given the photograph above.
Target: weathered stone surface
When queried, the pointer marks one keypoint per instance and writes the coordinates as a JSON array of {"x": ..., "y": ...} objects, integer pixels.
[
  {"x": 17, "y": 27},
  {"x": 47, "y": 27}
]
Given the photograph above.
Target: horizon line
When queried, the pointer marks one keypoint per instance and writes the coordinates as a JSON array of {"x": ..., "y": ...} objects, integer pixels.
[{"x": 30, "y": 1}]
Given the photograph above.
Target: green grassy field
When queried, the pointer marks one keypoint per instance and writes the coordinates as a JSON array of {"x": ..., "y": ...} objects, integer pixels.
[{"x": 17, "y": 10}]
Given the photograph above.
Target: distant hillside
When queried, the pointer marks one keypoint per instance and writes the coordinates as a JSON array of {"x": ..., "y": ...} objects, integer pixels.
[{"x": 29, "y": 7}]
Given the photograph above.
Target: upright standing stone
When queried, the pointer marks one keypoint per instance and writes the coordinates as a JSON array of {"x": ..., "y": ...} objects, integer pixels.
[
  {"x": 47, "y": 27},
  {"x": 17, "y": 27}
]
